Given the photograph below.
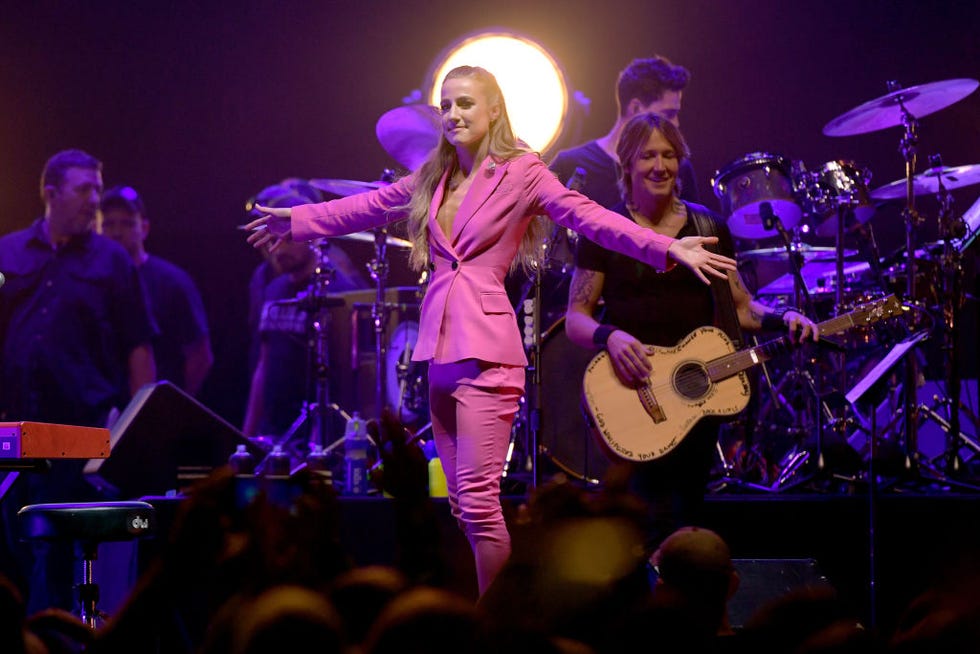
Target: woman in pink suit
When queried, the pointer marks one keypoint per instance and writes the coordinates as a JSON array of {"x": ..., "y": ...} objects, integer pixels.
[{"x": 471, "y": 210}]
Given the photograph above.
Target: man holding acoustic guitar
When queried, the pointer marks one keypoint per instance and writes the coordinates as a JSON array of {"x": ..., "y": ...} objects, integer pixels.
[{"x": 645, "y": 307}]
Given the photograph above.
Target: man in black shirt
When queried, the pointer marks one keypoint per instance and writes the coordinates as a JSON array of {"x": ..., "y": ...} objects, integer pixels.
[
  {"x": 646, "y": 85},
  {"x": 76, "y": 343},
  {"x": 182, "y": 347}
]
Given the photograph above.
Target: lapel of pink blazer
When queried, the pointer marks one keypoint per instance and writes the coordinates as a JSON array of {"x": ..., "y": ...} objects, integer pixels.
[
  {"x": 487, "y": 179},
  {"x": 435, "y": 231}
]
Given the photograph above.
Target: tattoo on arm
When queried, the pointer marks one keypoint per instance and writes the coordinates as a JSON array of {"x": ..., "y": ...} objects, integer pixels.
[{"x": 582, "y": 287}]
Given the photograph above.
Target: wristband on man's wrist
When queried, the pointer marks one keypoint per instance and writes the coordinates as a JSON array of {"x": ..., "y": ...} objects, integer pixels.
[
  {"x": 602, "y": 333},
  {"x": 773, "y": 320}
]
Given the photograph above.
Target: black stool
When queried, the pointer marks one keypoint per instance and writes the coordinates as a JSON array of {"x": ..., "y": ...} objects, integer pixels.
[{"x": 87, "y": 525}]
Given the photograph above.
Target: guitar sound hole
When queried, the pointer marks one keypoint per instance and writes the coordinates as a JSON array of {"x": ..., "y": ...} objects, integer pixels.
[{"x": 691, "y": 380}]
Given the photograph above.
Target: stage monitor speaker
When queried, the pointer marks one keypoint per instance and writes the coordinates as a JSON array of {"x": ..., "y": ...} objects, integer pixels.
[
  {"x": 162, "y": 430},
  {"x": 764, "y": 580}
]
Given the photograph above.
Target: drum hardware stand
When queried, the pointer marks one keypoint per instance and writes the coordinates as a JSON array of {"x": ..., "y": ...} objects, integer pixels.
[
  {"x": 378, "y": 269},
  {"x": 318, "y": 412},
  {"x": 950, "y": 227},
  {"x": 529, "y": 420},
  {"x": 798, "y": 376}
]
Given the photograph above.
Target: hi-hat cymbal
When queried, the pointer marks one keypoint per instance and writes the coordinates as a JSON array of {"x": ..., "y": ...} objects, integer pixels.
[
  {"x": 927, "y": 183},
  {"x": 809, "y": 252},
  {"x": 368, "y": 237},
  {"x": 345, "y": 187},
  {"x": 408, "y": 133},
  {"x": 886, "y": 111}
]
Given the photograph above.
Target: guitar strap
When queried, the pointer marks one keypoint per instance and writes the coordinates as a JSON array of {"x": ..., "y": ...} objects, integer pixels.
[{"x": 726, "y": 318}]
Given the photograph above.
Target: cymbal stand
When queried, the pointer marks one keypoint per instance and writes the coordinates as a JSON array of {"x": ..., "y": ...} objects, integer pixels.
[
  {"x": 317, "y": 303},
  {"x": 913, "y": 220}
]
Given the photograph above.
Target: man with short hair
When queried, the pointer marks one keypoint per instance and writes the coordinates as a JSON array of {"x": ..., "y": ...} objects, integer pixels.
[
  {"x": 182, "y": 348},
  {"x": 646, "y": 85},
  {"x": 76, "y": 337}
]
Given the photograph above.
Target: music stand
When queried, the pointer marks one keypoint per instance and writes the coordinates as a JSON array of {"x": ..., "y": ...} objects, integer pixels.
[{"x": 869, "y": 391}]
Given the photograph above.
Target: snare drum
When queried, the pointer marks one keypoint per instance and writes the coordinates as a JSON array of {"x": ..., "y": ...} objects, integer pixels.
[
  {"x": 743, "y": 185},
  {"x": 824, "y": 189}
]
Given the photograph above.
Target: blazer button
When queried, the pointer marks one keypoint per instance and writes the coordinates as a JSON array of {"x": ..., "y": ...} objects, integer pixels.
[{"x": 455, "y": 265}]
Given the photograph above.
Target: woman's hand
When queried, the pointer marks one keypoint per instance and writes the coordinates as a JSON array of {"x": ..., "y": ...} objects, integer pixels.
[
  {"x": 690, "y": 252},
  {"x": 271, "y": 229}
]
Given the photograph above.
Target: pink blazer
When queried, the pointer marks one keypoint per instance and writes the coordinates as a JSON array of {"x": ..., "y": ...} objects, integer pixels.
[{"x": 466, "y": 312}]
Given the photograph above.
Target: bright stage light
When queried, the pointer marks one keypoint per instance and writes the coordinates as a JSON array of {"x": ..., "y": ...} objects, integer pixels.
[{"x": 532, "y": 82}]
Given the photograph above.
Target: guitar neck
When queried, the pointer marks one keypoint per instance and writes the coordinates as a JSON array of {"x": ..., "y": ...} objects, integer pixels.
[{"x": 734, "y": 363}]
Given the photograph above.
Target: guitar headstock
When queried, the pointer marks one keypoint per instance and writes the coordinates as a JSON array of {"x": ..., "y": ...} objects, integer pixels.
[{"x": 880, "y": 309}]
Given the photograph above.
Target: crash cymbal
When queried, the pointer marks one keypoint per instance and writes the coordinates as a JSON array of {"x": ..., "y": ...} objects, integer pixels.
[
  {"x": 886, "y": 111},
  {"x": 927, "y": 183},
  {"x": 368, "y": 237},
  {"x": 345, "y": 187},
  {"x": 810, "y": 253},
  {"x": 408, "y": 133}
]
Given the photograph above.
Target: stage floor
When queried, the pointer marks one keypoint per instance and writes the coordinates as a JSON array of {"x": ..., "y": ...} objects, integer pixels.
[{"x": 918, "y": 537}]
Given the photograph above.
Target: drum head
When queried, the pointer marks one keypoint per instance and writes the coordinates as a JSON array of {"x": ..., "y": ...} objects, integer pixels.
[
  {"x": 565, "y": 437},
  {"x": 406, "y": 381},
  {"x": 743, "y": 185}
]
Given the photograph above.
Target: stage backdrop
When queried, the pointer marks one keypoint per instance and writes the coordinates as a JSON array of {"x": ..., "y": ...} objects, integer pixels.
[{"x": 200, "y": 104}]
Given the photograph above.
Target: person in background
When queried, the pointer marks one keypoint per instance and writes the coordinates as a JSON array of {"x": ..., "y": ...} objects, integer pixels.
[
  {"x": 646, "y": 85},
  {"x": 182, "y": 347},
  {"x": 76, "y": 338}
]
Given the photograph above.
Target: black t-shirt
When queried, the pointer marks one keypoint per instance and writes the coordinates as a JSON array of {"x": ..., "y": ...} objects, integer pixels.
[
  {"x": 179, "y": 313},
  {"x": 658, "y": 308}
]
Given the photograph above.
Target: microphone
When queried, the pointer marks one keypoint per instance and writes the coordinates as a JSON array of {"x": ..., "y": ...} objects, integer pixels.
[
  {"x": 491, "y": 168},
  {"x": 768, "y": 217}
]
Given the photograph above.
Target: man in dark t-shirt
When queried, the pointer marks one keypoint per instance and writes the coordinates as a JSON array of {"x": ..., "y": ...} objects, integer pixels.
[
  {"x": 182, "y": 347},
  {"x": 646, "y": 85},
  {"x": 643, "y": 307}
]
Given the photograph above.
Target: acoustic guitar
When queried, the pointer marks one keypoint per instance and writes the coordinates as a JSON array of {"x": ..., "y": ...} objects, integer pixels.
[{"x": 703, "y": 375}]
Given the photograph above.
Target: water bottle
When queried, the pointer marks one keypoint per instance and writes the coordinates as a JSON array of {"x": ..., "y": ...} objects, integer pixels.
[
  {"x": 437, "y": 479},
  {"x": 277, "y": 463},
  {"x": 241, "y": 461},
  {"x": 318, "y": 465},
  {"x": 356, "y": 445}
]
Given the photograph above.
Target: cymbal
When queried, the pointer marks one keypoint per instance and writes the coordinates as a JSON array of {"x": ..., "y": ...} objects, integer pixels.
[
  {"x": 927, "y": 183},
  {"x": 368, "y": 237},
  {"x": 345, "y": 187},
  {"x": 809, "y": 252},
  {"x": 886, "y": 111},
  {"x": 408, "y": 133}
]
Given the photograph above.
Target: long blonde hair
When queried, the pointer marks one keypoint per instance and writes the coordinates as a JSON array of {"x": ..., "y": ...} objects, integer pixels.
[{"x": 502, "y": 146}]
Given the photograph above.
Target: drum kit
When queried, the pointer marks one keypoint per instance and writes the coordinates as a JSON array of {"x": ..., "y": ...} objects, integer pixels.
[
  {"x": 407, "y": 133},
  {"x": 766, "y": 195},
  {"x": 802, "y": 412}
]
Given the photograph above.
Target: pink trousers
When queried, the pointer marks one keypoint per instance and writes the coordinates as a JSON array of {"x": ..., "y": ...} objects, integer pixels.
[{"x": 473, "y": 404}]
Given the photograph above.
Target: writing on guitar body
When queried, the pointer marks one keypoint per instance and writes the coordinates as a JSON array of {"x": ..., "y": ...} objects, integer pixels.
[{"x": 703, "y": 375}]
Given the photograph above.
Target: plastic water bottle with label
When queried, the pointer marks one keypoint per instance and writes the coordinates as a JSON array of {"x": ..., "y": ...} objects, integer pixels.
[{"x": 356, "y": 447}]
